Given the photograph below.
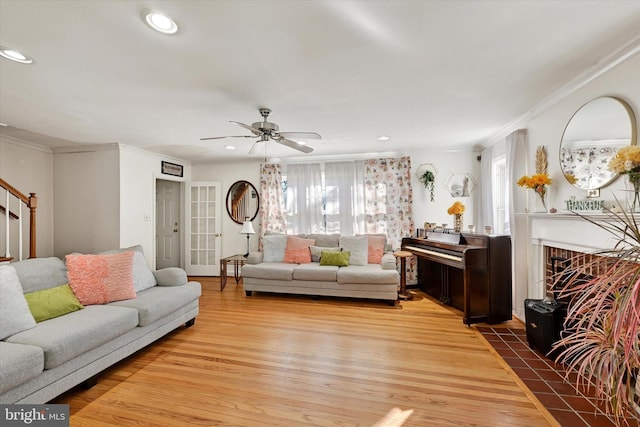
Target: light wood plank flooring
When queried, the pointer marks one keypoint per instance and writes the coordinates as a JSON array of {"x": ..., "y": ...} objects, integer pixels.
[{"x": 271, "y": 360}]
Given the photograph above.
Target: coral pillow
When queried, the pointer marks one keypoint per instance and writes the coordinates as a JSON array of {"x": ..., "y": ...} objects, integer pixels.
[
  {"x": 297, "y": 250},
  {"x": 99, "y": 279},
  {"x": 376, "y": 249},
  {"x": 297, "y": 256}
]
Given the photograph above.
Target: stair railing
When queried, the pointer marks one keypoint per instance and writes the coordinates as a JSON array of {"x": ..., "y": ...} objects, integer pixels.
[{"x": 31, "y": 202}]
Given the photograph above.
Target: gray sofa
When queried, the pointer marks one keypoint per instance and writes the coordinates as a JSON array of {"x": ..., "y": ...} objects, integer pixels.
[
  {"x": 44, "y": 361},
  {"x": 269, "y": 273}
]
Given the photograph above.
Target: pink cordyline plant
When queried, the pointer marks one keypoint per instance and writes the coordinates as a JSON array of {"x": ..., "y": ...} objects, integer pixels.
[{"x": 601, "y": 336}]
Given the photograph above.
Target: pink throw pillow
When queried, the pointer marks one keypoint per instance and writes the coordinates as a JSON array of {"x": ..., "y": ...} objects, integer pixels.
[
  {"x": 297, "y": 256},
  {"x": 376, "y": 249},
  {"x": 297, "y": 250},
  {"x": 99, "y": 279}
]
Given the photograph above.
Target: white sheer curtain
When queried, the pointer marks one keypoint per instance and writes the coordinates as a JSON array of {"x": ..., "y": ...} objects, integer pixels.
[
  {"x": 485, "y": 190},
  {"x": 344, "y": 197},
  {"x": 516, "y": 167},
  {"x": 304, "y": 199}
]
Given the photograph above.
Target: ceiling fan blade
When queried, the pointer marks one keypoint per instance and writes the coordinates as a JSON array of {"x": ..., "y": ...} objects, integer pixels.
[
  {"x": 256, "y": 146},
  {"x": 300, "y": 135},
  {"x": 252, "y": 129},
  {"x": 224, "y": 137},
  {"x": 294, "y": 145}
]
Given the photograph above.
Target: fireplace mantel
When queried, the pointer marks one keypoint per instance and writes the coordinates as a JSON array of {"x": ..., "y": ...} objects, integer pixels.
[{"x": 564, "y": 231}]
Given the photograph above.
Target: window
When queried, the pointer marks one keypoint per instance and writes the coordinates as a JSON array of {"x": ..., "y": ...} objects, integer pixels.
[{"x": 500, "y": 202}]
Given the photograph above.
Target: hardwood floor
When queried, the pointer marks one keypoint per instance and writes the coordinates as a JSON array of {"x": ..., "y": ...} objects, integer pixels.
[{"x": 272, "y": 360}]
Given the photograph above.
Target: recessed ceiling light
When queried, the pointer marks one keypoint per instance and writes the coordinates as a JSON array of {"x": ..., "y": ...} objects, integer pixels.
[
  {"x": 14, "y": 55},
  {"x": 4, "y": 125},
  {"x": 160, "y": 22},
  {"x": 383, "y": 138},
  {"x": 229, "y": 147}
]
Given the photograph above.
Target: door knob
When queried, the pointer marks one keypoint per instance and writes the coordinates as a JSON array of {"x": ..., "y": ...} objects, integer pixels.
[{"x": 217, "y": 235}]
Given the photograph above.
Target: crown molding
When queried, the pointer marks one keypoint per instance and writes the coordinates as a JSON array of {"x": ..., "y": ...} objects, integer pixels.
[
  {"x": 21, "y": 142},
  {"x": 605, "y": 64}
]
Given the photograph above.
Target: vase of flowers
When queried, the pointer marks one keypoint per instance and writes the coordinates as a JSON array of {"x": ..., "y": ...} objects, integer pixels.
[
  {"x": 627, "y": 162},
  {"x": 457, "y": 209},
  {"x": 539, "y": 183}
]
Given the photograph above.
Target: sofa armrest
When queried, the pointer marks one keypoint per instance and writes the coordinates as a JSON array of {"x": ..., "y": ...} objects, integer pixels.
[
  {"x": 170, "y": 276},
  {"x": 255, "y": 257},
  {"x": 388, "y": 261}
]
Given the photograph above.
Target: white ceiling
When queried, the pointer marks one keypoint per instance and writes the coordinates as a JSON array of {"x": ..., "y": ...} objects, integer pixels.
[{"x": 430, "y": 74}]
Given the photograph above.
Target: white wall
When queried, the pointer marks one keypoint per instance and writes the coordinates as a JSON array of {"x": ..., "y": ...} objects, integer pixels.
[
  {"x": 87, "y": 195},
  {"x": 139, "y": 170},
  {"x": 29, "y": 169},
  {"x": 447, "y": 163},
  {"x": 547, "y": 128},
  {"x": 226, "y": 174}
]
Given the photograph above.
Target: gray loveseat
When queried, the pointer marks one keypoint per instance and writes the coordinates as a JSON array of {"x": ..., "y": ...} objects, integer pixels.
[
  {"x": 267, "y": 271},
  {"x": 47, "y": 359}
]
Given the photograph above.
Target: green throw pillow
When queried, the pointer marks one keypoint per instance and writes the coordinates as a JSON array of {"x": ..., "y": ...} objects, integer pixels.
[
  {"x": 341, "y": 259},
  {"x": 52, "y": 302}
]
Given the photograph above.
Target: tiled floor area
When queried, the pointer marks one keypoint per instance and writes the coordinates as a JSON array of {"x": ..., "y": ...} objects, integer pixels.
[{"x": 570, "y": 407}]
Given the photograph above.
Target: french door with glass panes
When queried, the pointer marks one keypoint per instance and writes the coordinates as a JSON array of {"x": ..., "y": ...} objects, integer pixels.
[{"x": 204, "y": 207}]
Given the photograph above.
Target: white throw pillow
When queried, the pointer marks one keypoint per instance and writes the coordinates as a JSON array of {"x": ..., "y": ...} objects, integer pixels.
[
  {"x": 15, "y": 315},
  {"x": 359, "y": 248},
  {"x": 273, "y": 247}
]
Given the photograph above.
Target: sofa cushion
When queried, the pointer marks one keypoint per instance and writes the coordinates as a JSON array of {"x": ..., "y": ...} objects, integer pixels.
[
  {"x": 269, "y": 270},
  {"x": 359, "y": 248},
  {"x": 339, "y": 259},
  {"x": 297, "y": 250},
  {"x": 41, "y": 273},
  {"x": 99, "y": 279},
  {"x": 20, "y": 363},
  {"x": 53, "y": 302},
  {"x": 171, "y": 276},
  {"x": 316, "y": 251},
  {"x": 15, "y": 315},
  {"x": 328, "y": 240},
  {"x": 375, "y": 248},
  {"x": 66, "y": 337},
  {"x": 370, "y": 273},
  {"x": 273, "y": 247},
  {"x": 316, "y": 272},
  {"x": 159, "y": 301},
  {"x": 143, "y": 278}
]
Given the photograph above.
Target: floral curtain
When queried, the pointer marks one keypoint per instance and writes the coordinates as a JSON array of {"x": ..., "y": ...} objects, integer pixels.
[
  {"x": 388, "y": 202},
  {"x": 272, "y": 212}
]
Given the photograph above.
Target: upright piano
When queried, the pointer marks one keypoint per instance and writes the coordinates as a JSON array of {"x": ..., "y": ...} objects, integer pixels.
[{"x": 471, "y": 272}]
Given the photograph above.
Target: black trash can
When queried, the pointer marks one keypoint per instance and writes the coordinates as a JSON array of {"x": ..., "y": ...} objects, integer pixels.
[{"x": 544, "y": 323}]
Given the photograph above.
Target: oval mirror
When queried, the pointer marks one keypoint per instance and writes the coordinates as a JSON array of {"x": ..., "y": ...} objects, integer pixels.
[
  {"x": 242, "y": 201},
  {"x": 591, "y": 139}
]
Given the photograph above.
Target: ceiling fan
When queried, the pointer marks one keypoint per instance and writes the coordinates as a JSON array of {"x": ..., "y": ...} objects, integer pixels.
[{"x": 266, "y": 131}]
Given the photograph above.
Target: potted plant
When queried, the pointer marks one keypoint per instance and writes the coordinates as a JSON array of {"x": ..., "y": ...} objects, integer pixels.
[
  {"x": 428, "y": 178},
  {"x": 601, "y": 337}
]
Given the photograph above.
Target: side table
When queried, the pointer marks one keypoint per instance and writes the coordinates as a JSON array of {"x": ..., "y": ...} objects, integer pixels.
[
  {"x": 403, "y": 255},
  {"x": 238, "y": 261}
]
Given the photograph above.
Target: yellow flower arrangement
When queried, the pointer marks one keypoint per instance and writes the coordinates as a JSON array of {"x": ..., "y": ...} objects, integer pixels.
[
  {"x": 456, "y": 209},
  {"x": 626, "y": 160},
  {"x": 538, "y": 183}
]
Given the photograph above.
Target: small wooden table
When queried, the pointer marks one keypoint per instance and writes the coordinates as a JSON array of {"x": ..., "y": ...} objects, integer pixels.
[
  {"x": 403, "y": 255},
  {"x": 238, "y": 261}
]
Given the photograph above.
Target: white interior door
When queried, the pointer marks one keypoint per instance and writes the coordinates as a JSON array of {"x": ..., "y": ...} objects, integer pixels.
[
  {"x": 203, "y": 242},
  {"x": 168, "y": 230}
]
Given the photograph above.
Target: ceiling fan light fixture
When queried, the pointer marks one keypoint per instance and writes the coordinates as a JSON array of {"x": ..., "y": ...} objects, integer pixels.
[
  {"x": 160, "y": 22},
  {"x": 15, "y": 56}
]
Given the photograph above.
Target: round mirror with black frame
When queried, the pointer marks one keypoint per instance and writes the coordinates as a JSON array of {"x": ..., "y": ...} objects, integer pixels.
[
  {"x": 591, "y": 139},
  {"x": 242, "y": 201}
]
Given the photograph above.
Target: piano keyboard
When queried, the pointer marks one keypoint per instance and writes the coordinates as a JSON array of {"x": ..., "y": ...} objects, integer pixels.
[{"x": 434, "y": 253}]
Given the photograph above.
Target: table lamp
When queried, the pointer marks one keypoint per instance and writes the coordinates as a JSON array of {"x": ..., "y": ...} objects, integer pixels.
[{"x": 247, "y": 228}]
